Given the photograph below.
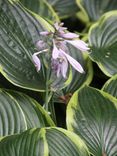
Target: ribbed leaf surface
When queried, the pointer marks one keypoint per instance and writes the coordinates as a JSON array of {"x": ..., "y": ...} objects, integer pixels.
[
  {"x": 19, "y": 31},
  {"x": 103, "y": 39},
  {"x": 64, "y": 7},
  {"x": 95, "y": 8},
  {"x": 12, "y": 118},
  {"x": 35, "y": 115},
  {"x": 29, "y": 143},
  {"x": 62, "y": 142},
  {"x": 92, "y": 114},
  {"x": 18, "y": 112},
  {"x": 78, "y": 79},
  {"x": 43, "y": 142},
  {"x": 111, "y": 86},
  {"x": 42, "y": 8}
]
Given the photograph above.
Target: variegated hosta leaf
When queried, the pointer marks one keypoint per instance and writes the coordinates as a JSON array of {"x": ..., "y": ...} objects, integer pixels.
[
  {"x": 42, "y": 8},
  {"x": 78, "y": 79},
  {"x": 95, "y": 8},
  {"x": 12, "y": 118},
  {"x": 35, "y": 115},
  {"x": 18, "y": 112},
  {"x": 103, "y": 40},
  {"x": 43, "y": 142},
  {"x": 111, "y": 86},
  {"x": 92, "y": 114},
  {"x": 64, "y": 8},
  {"x": 19, "y": 32}
]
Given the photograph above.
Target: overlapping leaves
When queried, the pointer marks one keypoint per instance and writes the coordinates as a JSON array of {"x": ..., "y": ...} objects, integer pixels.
[
  {"x": 42, "y": 8},
  {"x": 111, "y": 86},
  {"x": 18, "y": 112},
  {"x": 43, "y": 142},
  {"x": 103, "y": 41},
  {"x": 78, "y": 80},
  {"x": 19, "y": 31},
  {"x": 92, "y": 114},
  {"x": 64, "y": 8},
  {"x": 95, "y": 8}
]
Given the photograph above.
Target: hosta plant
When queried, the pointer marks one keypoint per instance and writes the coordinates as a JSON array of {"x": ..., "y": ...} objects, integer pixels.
[{"x": 58, "y": 78}]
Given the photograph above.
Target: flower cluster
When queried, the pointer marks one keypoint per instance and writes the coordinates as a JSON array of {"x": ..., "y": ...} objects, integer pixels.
[{"x": 59, "y": 56}]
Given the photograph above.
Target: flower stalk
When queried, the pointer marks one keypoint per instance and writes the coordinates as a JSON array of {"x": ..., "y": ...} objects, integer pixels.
[{"x": 57, "y": 58}]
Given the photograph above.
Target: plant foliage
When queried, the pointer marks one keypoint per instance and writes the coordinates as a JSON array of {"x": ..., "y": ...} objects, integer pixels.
[{"x": 50, "y": 78}]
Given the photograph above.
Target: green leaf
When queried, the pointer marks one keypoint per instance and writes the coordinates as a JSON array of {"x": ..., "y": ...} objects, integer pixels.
[
  {"x": 111, "y": 86},
  {"x": 19, "y": 31},
  {"x": 12, "y": 118},
  {"x": 64, "y": 8},
  {"x": 18, "y": 112},
  {"x": 103, "y": 41},
  {"x": 78, "y": 79},
  {"x": 93, "y": 9},
  {"x": 43, "y": 142},
  {"x": 42, "y": 8},
  {"x": 35, "y": 115},
  {"x": 92, "y": 115}
]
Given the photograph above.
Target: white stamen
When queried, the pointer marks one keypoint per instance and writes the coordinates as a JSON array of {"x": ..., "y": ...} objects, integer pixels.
[{"x": 39, "y": 52}]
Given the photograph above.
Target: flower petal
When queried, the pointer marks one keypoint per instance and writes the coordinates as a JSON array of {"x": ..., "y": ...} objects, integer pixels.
[
  {"x": 44, "y": 33},
  {"x": 40, "y": 44},
  {"x": 62, "y": 45},
  {"x": 55, "y": 51},
  {"x": 69, "y": 35},
  {"x": 73, "y": 62},
  {"x": 79, "y": 44},
  {"x": 58, "y": 70},
  {"x": 64, "y": 68},
  {"x": 59, "y": 27},
  {"x": 36, "y": 62}
]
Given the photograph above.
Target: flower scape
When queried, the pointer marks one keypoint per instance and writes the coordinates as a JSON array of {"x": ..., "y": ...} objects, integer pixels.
[{"x": 60, "y": 59}]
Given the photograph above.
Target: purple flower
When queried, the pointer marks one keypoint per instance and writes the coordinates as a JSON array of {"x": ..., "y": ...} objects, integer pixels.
[
  {"x": 45, "y": 33},
  {"x": 69, "y": 35},
  {"x": 73, "y": 62},
  {"x": 61, "y": 59},
  {"x": 36, "y": 59},
  {"x": 40, "y": 45},
  {"x": 59, "y": 27},
  {"x": 60, "y": 65},
  {"x": 79, "y": 44},
  {"x": 55, "y": 51},
  {"x": 36, "y": 62}
]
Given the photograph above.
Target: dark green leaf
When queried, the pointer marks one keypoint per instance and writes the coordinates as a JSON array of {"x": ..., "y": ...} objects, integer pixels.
[
  {"x": 12, "y": 118},
  {"x": 43, "y": 142},
  {"x": 19, "y": 31},
  {"x": 92, "y": 114},
  {"x": 35, "y": 115},
  {"x": 111, "y": 86},
  {"x": 95, "y": 8},
  {"x": 78, "y": 79},
  {"x": 18, "y": 112},
  {"x": 42, "y": 8},
  {"x": 103, "y": 41},
  {"x": 64, "y": 8}
]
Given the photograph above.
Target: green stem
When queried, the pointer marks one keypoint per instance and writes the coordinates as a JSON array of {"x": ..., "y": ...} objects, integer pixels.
[
  {"x": 52, "y": 109},
  {"x": 47, "y": 90},
  {"x": 49, "y": 104}
]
